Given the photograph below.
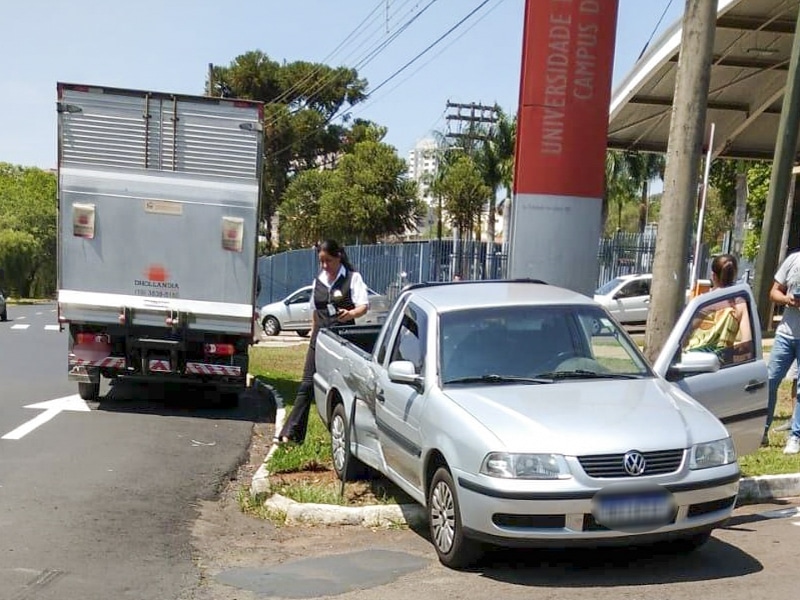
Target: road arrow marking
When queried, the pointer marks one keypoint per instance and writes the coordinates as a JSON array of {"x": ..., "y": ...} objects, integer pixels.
[{"x": 51, "y": 409}]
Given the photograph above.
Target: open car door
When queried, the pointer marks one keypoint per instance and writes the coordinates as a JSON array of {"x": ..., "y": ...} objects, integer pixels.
[{"x": 737, "y": 392}]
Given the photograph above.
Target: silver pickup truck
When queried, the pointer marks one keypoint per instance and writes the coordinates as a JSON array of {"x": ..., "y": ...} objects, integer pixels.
[{"x": 519, "y": 413}]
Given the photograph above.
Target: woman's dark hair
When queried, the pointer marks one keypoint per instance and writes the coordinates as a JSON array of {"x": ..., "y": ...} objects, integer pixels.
[
  {"x": 334, "y": 248},
  {"x": 725, "y": 268}
]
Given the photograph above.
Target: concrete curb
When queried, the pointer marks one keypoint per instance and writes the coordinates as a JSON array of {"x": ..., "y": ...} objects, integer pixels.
[
  {"x": 752, "y": 490},
  {"x": 768, "y": 487}
]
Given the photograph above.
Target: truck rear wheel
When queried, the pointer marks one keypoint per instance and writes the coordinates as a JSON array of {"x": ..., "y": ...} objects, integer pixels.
[{"x": 89, "y": 391}]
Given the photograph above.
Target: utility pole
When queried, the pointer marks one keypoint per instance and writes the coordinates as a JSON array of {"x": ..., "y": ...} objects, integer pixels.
[
  {"x": 779, "y": 184},
  {"x": 687, "y": 128},
  {"x": 469, "y": 119},
  {"x": 210, "y": 91}
]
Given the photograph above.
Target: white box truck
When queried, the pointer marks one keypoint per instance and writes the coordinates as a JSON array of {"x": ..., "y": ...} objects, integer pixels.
[{"x": 158, "y": 198}]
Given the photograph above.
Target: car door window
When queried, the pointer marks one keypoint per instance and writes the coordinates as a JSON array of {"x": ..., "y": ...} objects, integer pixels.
[
  {"x": 723, "y": 327},
  {"x": 634, "y": 289},
  {"x": 301, "y": 297},
  {"x": 409, "y": 344}
]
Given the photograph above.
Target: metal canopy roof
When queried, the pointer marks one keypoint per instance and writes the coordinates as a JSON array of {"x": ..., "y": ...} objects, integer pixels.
[{"x": 752, "y": 48}]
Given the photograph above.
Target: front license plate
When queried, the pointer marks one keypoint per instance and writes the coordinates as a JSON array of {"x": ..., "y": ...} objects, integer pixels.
[{"x": 634, "y": 511}]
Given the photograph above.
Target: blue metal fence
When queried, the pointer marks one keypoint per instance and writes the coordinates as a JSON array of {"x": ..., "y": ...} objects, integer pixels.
[{"x": 388, "y": 267}]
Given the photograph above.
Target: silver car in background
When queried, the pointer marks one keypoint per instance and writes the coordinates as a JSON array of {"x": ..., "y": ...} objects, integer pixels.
[{"x": 293, "y": 313}]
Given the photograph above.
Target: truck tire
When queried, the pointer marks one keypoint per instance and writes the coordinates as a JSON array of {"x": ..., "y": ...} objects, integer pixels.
[
  {"x": 89, "y": 391},
  {"x": 340, "y": 447},
  {"x": 454, "y": 550},
  {"x": 4, "y": 315},
  {"x": 271, "y": 326}
]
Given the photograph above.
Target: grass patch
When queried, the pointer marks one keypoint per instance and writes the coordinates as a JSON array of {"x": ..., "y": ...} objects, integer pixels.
[
  {"x": 771, "y": 460},
  {"x": 27, "y": 301},
  {"x": 282, "y": 368},
  {"x": 254, "y": 506},
  {"x": 311, "y": 493}
]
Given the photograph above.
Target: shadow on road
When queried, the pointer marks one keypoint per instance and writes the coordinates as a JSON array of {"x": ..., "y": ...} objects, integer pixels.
[
  {"x": 616, "y": 566},
  {"x": 185, "y": 400}
]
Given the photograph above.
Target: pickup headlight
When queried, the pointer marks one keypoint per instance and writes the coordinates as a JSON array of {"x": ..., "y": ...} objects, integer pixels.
[
  {"x": 525, "y": 466},
  {"x": 713, "y": 454}
]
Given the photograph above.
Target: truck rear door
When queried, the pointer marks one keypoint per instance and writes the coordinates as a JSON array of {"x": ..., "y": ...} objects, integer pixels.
[{"x": 159, "y": 200}]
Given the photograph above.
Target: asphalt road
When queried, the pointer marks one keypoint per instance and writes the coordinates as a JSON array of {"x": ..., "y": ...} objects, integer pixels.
[{"x": 100, "y": 504}]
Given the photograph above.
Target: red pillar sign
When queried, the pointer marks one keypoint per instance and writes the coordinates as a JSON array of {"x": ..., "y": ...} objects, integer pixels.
[{"x": 565, "y": 91}]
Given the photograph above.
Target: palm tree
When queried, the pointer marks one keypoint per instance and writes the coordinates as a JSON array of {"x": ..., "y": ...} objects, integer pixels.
[
  {"x": 495, "y": 158},
  {"x": 642, "y": 168},
  {"x": 619, "y": 185}
]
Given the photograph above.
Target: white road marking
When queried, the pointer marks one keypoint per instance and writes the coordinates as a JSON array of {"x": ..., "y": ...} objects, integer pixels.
[
  {"x": 52, "y": 328},
  {"x": 21, "y": 326},
  {"x": 39, "y": 313},
  {"x": 20, "y": 318},
  {"x": 51, "y": 409}
]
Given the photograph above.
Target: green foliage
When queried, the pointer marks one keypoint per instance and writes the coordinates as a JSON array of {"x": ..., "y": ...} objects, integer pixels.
[
  {"x": 758, "y": 178},
  {"x": 365, "y": 198},
  {"x": 464, "y": 191},
  {"x": 302, "y": 100},
  {"x": 28, "y": 237},
  {"x": 752, "y": 242},
  {"x": 299, "y": 211}
]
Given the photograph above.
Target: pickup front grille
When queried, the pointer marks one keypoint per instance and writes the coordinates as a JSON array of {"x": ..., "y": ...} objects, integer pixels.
[{"x": 613, "y": 465}]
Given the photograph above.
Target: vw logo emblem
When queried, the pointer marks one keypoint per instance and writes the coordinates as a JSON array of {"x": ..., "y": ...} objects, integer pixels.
[{"x": 634, "y": 463}]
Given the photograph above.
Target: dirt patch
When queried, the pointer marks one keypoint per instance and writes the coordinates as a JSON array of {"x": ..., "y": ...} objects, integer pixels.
[{"x": 371, "y": 489}]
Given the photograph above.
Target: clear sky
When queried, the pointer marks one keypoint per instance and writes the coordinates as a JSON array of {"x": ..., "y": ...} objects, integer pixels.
[{"x": 166, "y": 45}]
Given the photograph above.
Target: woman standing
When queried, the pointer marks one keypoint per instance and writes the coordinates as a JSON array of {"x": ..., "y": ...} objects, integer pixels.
[{"x": 339, "y": 297}]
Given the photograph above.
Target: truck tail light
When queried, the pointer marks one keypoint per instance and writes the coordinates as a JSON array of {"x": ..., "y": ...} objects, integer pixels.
[
  {"x": 232, "y": 233},
  {"x": 220, "y": 349},
  {"x": 92, "y": 338},
  {"x": 83, "y": 220}
]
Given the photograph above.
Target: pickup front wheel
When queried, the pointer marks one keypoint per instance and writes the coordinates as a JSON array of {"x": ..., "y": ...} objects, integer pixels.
[
  {"x": 345, "y": 465},
  {"x": 444, "y": 517}
]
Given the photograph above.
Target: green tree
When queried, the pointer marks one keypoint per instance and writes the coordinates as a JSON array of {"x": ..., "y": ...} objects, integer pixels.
[
  {"x": 365, "y": 198},
  {"x": 28, "y": 229},
  {"x": 643, "y": 168},
  {"x": 299, "y": 212},
  {"x": 495, "y": 159},
  {"x": 464, "y": 192},
  {"x": 621, "y": 188},
  {"x": 369, "y": 196},
  {"x": 302, "y": 100}
]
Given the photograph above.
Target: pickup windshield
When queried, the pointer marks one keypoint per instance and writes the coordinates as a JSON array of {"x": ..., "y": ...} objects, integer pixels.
[{"x": 535, "y": 344}]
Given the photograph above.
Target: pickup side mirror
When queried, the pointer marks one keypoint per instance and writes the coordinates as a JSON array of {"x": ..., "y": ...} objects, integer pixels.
[
  {"x": 402, "y": 371},
  {"x": 695, "y": 362}
]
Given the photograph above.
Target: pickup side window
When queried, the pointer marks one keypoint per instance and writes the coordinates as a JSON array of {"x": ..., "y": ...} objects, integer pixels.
[
  {"x": 410, "y": 341},
  {"x": 388, "y": 330}
]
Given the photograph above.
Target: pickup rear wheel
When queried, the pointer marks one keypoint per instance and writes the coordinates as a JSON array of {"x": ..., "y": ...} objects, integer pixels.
[
  {"x": 444, "y": 517},
  {"x": 340, "y": 447},
  {"x": 271, "y": 326}
]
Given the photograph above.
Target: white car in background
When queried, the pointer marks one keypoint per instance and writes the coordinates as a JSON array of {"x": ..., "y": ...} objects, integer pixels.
[
  {"x": 627, "y": 297},
  {"x": 293, "y": 313}
]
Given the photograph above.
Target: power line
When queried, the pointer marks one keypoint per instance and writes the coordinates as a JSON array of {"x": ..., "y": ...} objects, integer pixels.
[
  {"x": 430, "y": 47},
  {"x": 339, "y": 113},
  {"x": 364, "y": 106},
  {"x": 286, "y": 93},
  {"x": 650, "y": 39},
  {"x": 323, "y": 82}
]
